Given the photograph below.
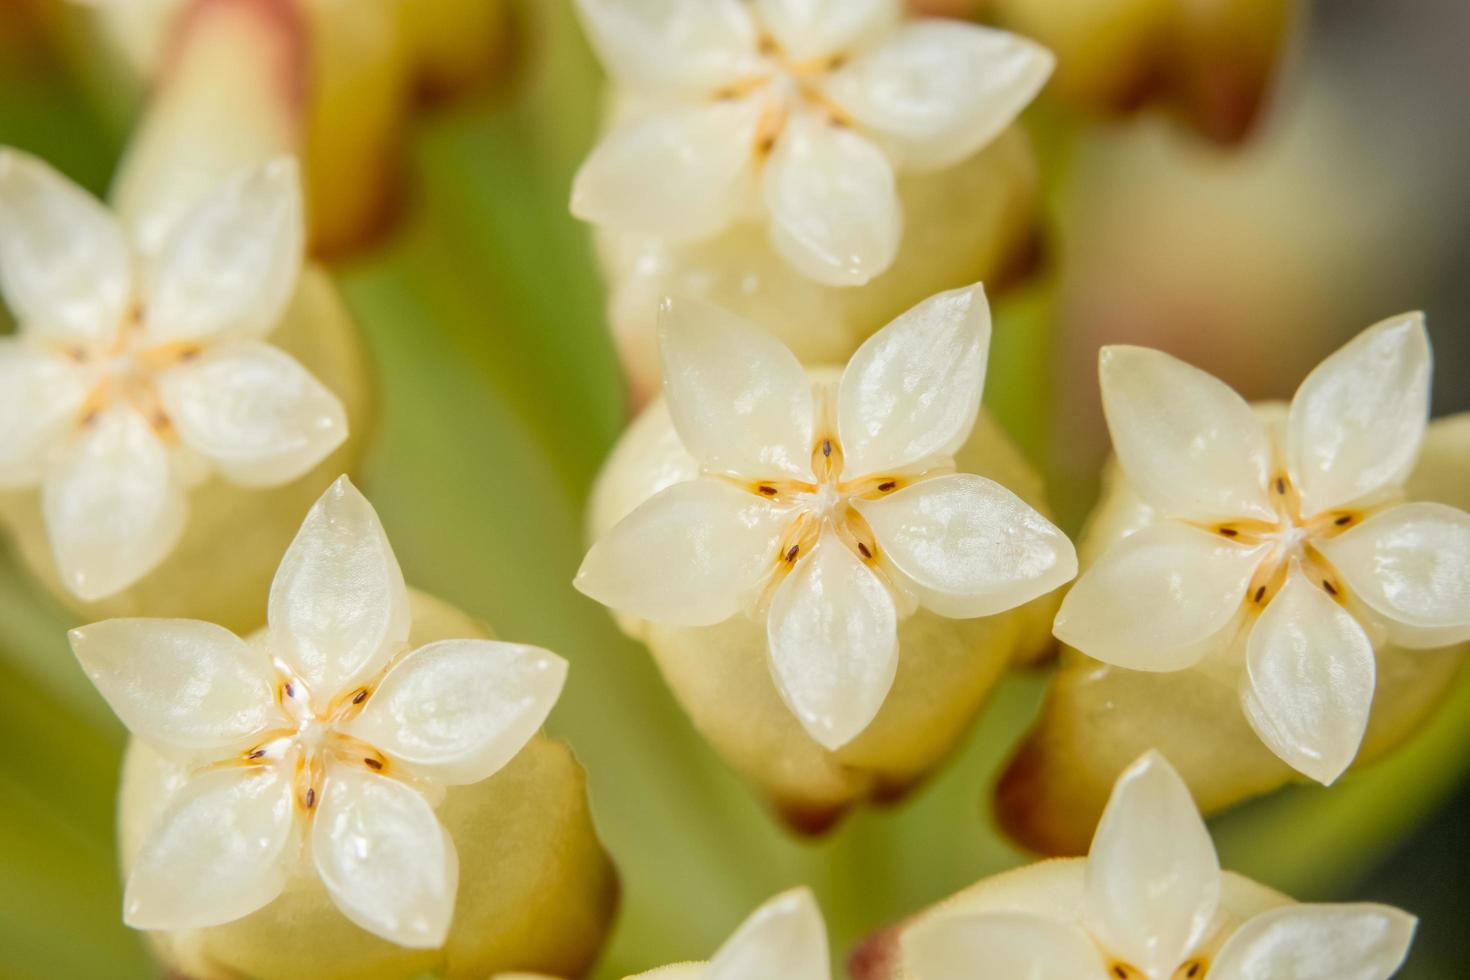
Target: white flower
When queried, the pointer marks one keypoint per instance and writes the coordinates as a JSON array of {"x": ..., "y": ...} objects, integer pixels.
[
  {"x": 327, "y": 739},
  {"x": 135, "y": 374},
  {"x": 1150, "y": 903},
  {"x": 785, "y": 938},
  {"x": 796, "y": 112},
  {"x": 827, "y": 509},
  {"x": 1282, "y": 533}
]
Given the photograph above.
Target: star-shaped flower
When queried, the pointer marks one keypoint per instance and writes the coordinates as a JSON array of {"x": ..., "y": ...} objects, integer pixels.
[
  {"x": 326, "y": 742},
  {"x": 784, "y": 938},
  {"x": 827, "y": 508},
  {"x": 1280, "y": 538},
  {"x": 1149, "y": 902},
  {"x": 136, "y": 374},
  {"x": 794, "y": 112}
]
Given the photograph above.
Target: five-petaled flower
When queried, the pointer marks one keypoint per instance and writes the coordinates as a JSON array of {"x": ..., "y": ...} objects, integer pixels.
[
  {"x": 792, "y": 112},
  {"x": 136, "y": 372},
  {"x": 1149, "y": 902},
  {"x": 1275, "y": 539},
  {"x": 827, "y": 508},
  {"x": 784, "y": 938},
  {"x": 323, "y": 743}
]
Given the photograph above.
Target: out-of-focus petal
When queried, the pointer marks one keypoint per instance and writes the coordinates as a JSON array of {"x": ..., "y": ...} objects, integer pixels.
[
  {"x": 683, "y": 45},
  {"x": 784, "y": 938},
  {"x": 1318, "y": 942},
  {"x": 40, "y": 393},
  {"x": 813, "y": 29},
  {"x": 999, "y": 946}
]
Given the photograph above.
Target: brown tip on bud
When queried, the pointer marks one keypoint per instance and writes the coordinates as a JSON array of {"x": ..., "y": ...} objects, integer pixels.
[
  {"x": 1029, "y": 813},
  {"x": 876, "y": 957},
  {"x": 809, "y": 821}
]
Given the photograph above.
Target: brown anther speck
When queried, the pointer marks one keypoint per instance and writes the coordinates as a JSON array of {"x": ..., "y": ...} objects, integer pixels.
[
  {"x": 290, "y": 691},
  {"x": 1229, "y": 532},
  {"x": 310, "y": 798},
  {"x": 1331, "y": 589},
  {"x": 373, "y": 764},
  {"x": 795, "y": 550},
  {"x": 1280, "y": 485},
  {"x": 769, "y": 491},
  {"x": 826, "y": 447},
  {"x": 864, "y": 549},
  {"x": 887, "y": 485},
  {"x": 766, "y": 145},
  {"x": 359, "y": 697},
  {"x": 1344, "y": 520},
  {"x": 1260, "y": 594},
  {"x": 256, "y": 754}
]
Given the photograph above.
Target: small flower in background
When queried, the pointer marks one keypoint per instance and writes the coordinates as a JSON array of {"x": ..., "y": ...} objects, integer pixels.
[
  {"x": 784, "y": 938},
  {"x": 1149, "y": 902},
  {"x": 134, "y": 376}
]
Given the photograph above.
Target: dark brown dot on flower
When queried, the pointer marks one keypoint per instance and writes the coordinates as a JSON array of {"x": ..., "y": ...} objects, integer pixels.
[
  {"x": 1280, "y": 485},
  {"x": 359, "y": 697},
  {"x": 864, "y": 549},
  {"x": 373, "y": 764},
  {"x": 826, "y": 447},
  {"x": 1229, "y": 532},
  {"x": 310, "y": 798},
  {"x": 1120, "y": 971},
  {"x": 290, "y": 691},
  {"x": 795, "y": 550},
  {"x": 1344, "y": 519},
  {"x": 1260, "y": 593},
  {"x": 1193, "y": 970},
  {"x": 769, "y": 491},
  {"x": 887, "y": 485},
  {"x": 1331, "y": 589},
  {"x": 256, "y": 754}
]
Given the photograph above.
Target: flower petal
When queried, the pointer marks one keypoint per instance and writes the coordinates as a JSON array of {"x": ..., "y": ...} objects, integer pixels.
[
  {"x": 999, "y": 946},
  {"x": 254, "y": 411},
  {"x": 1309, "y": 680},
  {"x": 220, "y": 851},
  {"x": 937, "y": 91},
  {"x": 740, "y": 400},
  {"x": 456, "y": 711},
  {"x": 113, "y": 509},
  {"x": 912, "y": 390},
  {"x": 971, "y": 546},
  {"x": 691, "y": 555},
  {"x": 338, "y": 606},
  {"x": 387, "y": 863},
  {"x": 1318, "y": 942},
  {"x": 784, "y": 938},
  {"x": 1153, "y": 879},
  {"x": 681, "y": 174},
  {"x": 1358, "y": 419},
  {"x": 833, "y": 638},
  {"x": 1411, "y": 565},
  {"x": 814, "y": 29},
  {"x": 183, "y": 685},
  {"x": 1160, "y": 599},
  {"x": 40, "y": 393},
  {"x": 689, "y": 45},
  {"x": 65, "y": 268},
  {"x": 229, "y": 266},
  {"x": 834, "y": 211}
]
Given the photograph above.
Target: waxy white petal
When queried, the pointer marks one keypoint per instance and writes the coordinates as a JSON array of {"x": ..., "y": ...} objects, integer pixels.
[
  {"x": 1186, "y": 441},
  {"x": 1153, "y": 879},
  {"x": 971, "y": 546},
  {"x": 834, "y": 211},
  {"x": 832, "y": 634},
  {"x": 231, "y": 264},
  {"x": 740, "y": 400},
  {"x": 1358, "y": 419},
  {"x": 1318, "y": 942},
  {"x": 1309, "y": 680},
  {"x": 936, "y": 91},
  {"x": 812, "y": 29},
  {"x": 456, "y": 711},
  {"x": 181, "y": 684},
  {"x": 253, "y": 411},
  {"x": 217, "y": 853},
  {"x": 1411, "y": 565},
  {"x": 691, "y": 555},
  {"x": 40, "y": 394},
  {"x": 338, "y": 606},
  {"x": 999, "y": 946},
  {"x": 113, "y": 509},
  {"x": 691, "y": 45},
  {"x": 65, "y": 268},
  {"x": 386, "y": 861},
  {"x": 681, "y": 174},
  {"x": 912, "y": 390},
  {"x": 784, "y": 938},
  {"x": 1160, "y": 599}
]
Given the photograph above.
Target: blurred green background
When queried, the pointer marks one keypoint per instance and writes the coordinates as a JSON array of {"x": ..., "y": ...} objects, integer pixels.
[{"x": 499, "y": 395}]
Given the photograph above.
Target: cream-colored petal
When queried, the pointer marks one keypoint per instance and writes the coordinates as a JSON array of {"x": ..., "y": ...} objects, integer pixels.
[
  {"x": 386, "y": 861},
  {"x": 832, "y": 635},
  {"x": 1153, "y": 879},
  {"x": 1309, "y": 680},
  {"x": 681, "y": 174},
  {"x": 1187, "y": 443},
  {"x": 912, "y": 390},
  {"x": 937, "y": 91},
  {"x": 65, "y": 268},
  {"x": 254, "y": 412},
  {"x": 683, "y": 45},
  {"x": 1358, "y": 419},
  {"x": 998, "y": 946},
  {"x": 808, "y": 30},
  {"x": 691, "y": 555},
  {"x": 1411, "y": 565},
  {"x": 971, "y": 546},
  {"x": 834, "y": 211},
  {"x": 185, "y": 686},
  {"x": 219, "y": 852},
  {"x": 112, "y": 506},
  {"x": 1318, "y": 942},
  {"x": 230, "y": 266},
  {"x": 784, "y": 938},
  {"x": 741, "y": 401},
  {"x": 456, "y": 711},
  {"x": 40, "y": 393},
  {"x": 338, "y": 606},
  {"x": 1160, "y": 599}
]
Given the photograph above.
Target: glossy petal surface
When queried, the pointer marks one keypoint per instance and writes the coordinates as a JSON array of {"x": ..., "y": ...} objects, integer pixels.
[
  {"x": 784, "y": 938},
  {"x": 999, "y": 946},
  {"x": 1318, "y": 942},
  {"x": 682, "y": 44}
]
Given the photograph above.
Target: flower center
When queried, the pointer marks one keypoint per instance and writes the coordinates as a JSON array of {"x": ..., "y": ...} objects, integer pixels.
[
  {"x": 787, "y": 82},
  {"x": 125, "y": 371}
]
